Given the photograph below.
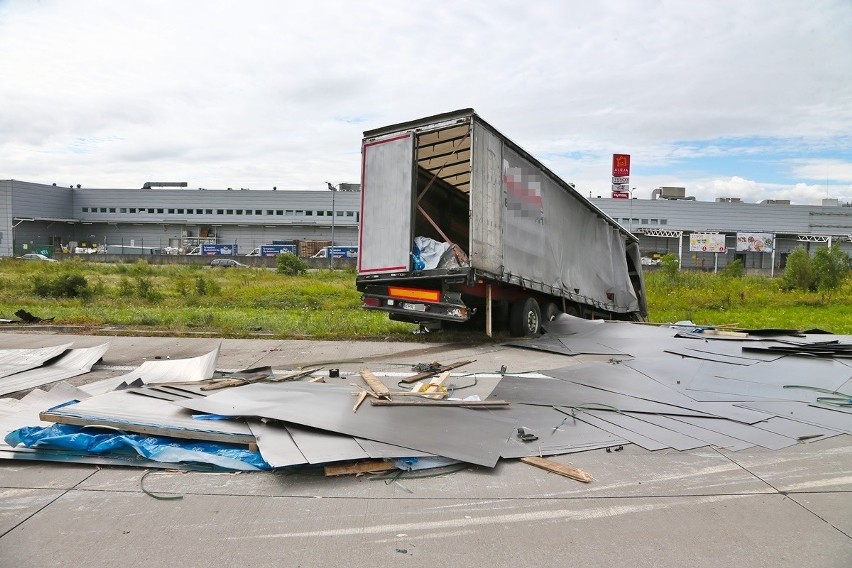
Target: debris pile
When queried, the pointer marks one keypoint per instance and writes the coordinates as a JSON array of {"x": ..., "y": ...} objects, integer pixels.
[{"x": 654, "y": 387}]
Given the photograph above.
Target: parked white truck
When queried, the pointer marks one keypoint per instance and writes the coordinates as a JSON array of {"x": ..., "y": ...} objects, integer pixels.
[{"x": 460, "y": 224}]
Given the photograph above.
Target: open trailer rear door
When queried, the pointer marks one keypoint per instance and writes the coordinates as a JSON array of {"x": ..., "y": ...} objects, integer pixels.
[{"x": 387, "y": 205}]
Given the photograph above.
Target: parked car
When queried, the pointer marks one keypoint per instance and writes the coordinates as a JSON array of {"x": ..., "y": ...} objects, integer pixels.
[
  {"x": 226, "y": 263},
  {"x": 36, "y": 256}
]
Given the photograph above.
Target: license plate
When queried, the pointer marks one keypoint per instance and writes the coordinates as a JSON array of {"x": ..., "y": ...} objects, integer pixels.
[{"x": 414, "y": 307}]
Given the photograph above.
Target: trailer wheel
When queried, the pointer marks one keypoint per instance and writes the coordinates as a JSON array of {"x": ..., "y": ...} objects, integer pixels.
[
  {"x": 551, "y": 312},
  {"x": 525, "y": 318}
]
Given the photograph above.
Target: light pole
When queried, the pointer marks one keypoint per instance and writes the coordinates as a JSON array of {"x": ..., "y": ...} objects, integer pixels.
[
  {"x": 330, "y": 254},
  {"x": 630, "y": 224}
]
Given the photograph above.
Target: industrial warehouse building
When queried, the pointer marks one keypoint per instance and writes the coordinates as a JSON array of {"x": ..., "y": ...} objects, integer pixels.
[
  {"x": 156, "y": 219},
  {"x": 762, "y": 234}
]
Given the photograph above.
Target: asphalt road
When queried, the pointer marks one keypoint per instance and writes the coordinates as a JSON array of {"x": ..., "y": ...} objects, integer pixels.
[{"x": 700, "y": 508}]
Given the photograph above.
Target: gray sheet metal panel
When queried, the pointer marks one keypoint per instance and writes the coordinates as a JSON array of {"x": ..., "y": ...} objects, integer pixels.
[
  {"x": 795, "y": 429},
  {"x": 661, "y": 434},
  {"x": 275, "y": 444},
  {"x": 17, "y": 360},
  {"x": 486, "y": 202},
  {"x": 709, "y": 436},
  {"x": 162, "y": 371},
  {"x": 744, "y": 432},
  {"x": 621, "y": 432},
  {"x": 380, "y": 450},
  {"x": 324, "y": 447},
  {"x": 818, "y": 416},
  {"x": 556, "y": 392},
  {"x": 387, "y": 201},
  {"x": 130, "y": 412},
  {"x": 465, "y": 435},
  {"x": 74, "y": 362},
  {"x": 557, "y": 433}
]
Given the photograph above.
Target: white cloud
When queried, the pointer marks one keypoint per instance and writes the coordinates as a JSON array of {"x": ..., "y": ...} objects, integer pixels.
[{"x": 265, "y": 93}]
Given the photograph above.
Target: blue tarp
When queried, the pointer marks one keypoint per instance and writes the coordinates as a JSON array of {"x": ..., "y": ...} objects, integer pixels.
[{"x": 161, "y": 449}]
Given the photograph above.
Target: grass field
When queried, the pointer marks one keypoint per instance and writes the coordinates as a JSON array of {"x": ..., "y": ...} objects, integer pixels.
[{"x": 324, "y": 304}]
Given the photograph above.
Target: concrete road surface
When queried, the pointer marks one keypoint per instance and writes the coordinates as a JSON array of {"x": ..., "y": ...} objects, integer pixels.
[{"x": 701, "y": 508}]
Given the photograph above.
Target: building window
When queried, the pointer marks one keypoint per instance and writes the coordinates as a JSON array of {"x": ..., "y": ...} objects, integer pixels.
[
  {"x": 151, "y": 210},
  {"x": 270, "y": 212},
  {"x": 159, "y": 210},
  {"x": 299, "y": 213},
  {"x": 248, "y": 211},
  {"x": 350, "y": 213},
  {"x": 180, "y": 211},
  {"x": 230, "y": 211},
  {"x": 644, "y": 222},
  {"x": 85, "y": 209},
  {"x": 258, "y": 211},
  {"x": 320, "y": 213},
  {"x": 171, "y": 211},
  {"x": 288, "y": 212},
  {"x": 220, "y": 212},
  {"x": 122, "y": 210},
  {"x": 112, "y": 209},
  {"x": 208, "y": 211},
  {"x": 340, "y": 213},
  {"x": 133, "y": 210},
  {"x": 655, "y": 221},
  {"x": 309, "y": 213},
  {"x": 281, "y": 212},
  {"x": 239, "y": 211},
  {"x": 664, "y": 221}
]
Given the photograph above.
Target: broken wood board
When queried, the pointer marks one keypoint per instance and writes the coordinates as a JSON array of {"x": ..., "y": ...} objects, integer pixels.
[
  {"x": 558, "y": 468},
  {"x": 375, "y": 384},
  {"x": 370, "y": 466},
  {"x": 443, "y": 403}
]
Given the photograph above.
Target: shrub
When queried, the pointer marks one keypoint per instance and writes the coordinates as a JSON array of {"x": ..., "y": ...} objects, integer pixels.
[
  {"x": 146, "y": 290},
  {"x": 799, "y": 273},
  {"x": 64, "y": 286},
  {"x": 734, "y": 270},
  {"x": 290, "y": 264},
  {"x": 669, "y": 265},
  {"x": 830, "y": 269}
]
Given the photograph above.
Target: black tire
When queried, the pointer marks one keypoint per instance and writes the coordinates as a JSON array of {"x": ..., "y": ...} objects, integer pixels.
[
  {"x": 525, "y": 318},
  {"x": 551, "y": 312}
]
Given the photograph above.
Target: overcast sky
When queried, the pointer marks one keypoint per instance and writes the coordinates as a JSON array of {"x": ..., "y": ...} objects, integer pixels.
[{"x": 751, "y": 99}]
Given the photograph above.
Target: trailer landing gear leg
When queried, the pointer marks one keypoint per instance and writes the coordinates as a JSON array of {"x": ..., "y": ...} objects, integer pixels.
[{"x": 488, "y": 312}]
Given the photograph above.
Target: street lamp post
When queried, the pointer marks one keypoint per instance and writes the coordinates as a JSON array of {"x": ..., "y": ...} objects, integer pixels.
[{"x": 330, "y": 255}]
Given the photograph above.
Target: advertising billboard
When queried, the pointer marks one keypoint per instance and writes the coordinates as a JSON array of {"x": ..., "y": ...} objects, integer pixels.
[
  {"x": 707, "y": 242},
  {"x": 754, "y": 242},
  {"x": 620, "y": 165}
]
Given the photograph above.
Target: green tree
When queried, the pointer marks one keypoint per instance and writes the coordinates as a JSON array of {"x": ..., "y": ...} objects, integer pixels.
[
  {"x": 799, "y": 273},
  {"x": 831, "y": 267}
]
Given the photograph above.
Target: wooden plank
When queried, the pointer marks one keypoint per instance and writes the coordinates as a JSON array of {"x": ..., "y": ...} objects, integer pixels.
[
  {"x": 445, "y": 403},
  {"x": 427, "y": 374},
  {"x": 558, "y": 468},
  {"x": 368, "y": 466},
  {"x": 435, "y": 387},
  {"x": 361, "y": 396},
  {"x": 375, "y": 384}
]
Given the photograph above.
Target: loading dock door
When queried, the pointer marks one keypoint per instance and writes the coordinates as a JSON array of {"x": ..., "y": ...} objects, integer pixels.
[{"x": 387, "y": 205}]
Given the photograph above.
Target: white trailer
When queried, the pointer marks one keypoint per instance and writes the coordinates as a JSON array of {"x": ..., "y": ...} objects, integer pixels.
[{"x": 460, "y": 224}]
